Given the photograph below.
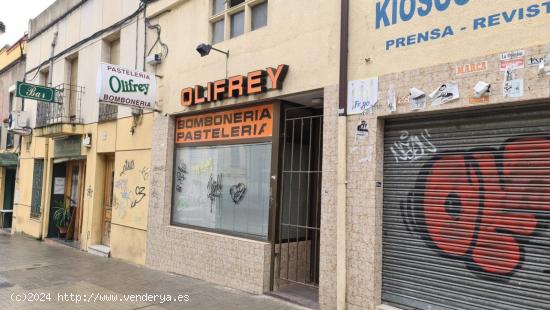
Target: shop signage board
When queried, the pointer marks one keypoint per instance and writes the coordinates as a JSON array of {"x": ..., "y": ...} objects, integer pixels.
[
  {"x": 122, "y": 86},
  {"x": 68, "y": 147},
  {"x": 35, "y": 92},
  {"x": 255, "y": 82},
  {"x": 236, "y": 124}
]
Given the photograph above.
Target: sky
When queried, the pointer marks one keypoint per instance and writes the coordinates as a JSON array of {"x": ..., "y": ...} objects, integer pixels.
[{"x": 15, "y": 14}]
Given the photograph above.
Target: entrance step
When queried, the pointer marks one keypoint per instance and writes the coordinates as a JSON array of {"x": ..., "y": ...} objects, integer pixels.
[{"x": 100, "y": 250}]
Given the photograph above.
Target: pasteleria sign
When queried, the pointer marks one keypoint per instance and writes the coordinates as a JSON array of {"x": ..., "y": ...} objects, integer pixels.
[
  {"x": 236, "y": 124},
  {"x": 255, "y": 82},
  {"x": 118, "y": 85}
]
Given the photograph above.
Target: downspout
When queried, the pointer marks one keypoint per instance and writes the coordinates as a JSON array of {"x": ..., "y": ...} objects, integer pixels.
[
  {"x": 341, "y": 177},
  {"x": 46, "y": 167}
]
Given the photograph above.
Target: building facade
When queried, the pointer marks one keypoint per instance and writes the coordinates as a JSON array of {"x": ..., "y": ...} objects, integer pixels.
[
  {"x": 12, "y": 69},
  {"x": 356, "y": 154},
  {"x": 86, "y": 159}
]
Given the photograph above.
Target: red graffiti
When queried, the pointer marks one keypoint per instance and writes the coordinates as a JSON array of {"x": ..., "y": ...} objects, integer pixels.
[{"x": 479, "y": 205}]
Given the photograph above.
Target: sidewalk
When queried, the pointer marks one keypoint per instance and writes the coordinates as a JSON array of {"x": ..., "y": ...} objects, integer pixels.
[{"x": 52, "y": 276}]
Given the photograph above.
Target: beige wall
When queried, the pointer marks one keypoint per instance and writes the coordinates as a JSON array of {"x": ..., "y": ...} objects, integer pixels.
[{"x": 302, "y": 34}]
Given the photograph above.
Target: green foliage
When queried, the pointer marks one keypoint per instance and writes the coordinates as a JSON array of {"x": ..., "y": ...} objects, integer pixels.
[{"x": 62, "y": 214}]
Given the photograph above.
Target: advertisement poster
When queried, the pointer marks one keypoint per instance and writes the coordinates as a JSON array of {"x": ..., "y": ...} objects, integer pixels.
[
  {"x": 445, "y": 93},
  {"x": 362, "y": 95}
]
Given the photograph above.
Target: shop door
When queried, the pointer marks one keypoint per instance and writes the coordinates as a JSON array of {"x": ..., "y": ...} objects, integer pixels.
[
  {"x": 57, "y": 195},
  {"x": 297, "y": 242},
  {"x": 108, "y": 201},
  {"x": 8, "y": 197},
  {"x": 74, "y": 189},
  {"x": 466, "y": 214}
]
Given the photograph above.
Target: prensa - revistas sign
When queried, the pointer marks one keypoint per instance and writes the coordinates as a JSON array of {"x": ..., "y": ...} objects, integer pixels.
[{"x": 124, "y": 86}]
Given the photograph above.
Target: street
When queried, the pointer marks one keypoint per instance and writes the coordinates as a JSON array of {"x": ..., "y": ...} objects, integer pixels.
[{"x": 43, "y": 275}]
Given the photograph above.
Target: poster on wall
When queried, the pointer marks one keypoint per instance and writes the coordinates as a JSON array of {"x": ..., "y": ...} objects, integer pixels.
[
  {"x": 362, "y": 95},
  {"x": 59, "y": 186},
  {"x": 445, "y": 93}
]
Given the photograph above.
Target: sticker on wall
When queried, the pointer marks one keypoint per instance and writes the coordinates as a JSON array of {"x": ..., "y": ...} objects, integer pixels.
[
  {"x": 445, "y": 93},
  {"x": 475, "y": 67},
  {"x": 392, "y": 99},
  {"x": 362, "y": 131},
  {"x": 417, "y": 99},
  {"x": 512, "y": 60},
  {"x": 362, "y": 95},
  {"x": 58, "y": 186},
  {"x": 513, "y": 88},
  {"x": 535, "y": 61}
]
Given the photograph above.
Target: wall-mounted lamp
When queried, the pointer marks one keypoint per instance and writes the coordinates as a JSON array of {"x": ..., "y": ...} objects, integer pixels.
[
  {"x": 204, "y": 50},
  {"x": 2, "y": 28}
]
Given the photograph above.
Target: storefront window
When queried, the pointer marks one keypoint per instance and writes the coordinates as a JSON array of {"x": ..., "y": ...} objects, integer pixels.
[{"x": 225, "y": 188}]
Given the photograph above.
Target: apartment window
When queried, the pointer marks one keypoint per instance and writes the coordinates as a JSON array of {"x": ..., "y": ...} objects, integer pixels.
[
  {"x": 37, "y": 188},
  {"x": 233, "y": 3},
  {"x": 111, "y": 52},
  {"x": 218, "y": 31},
  {"x": 237, "y": 24},
  {"x": 218, "y": 7},
  {"x": 259, "y": 16},
  {"x": 239, "y": 16},
  {"x": 114, "y": 52}
]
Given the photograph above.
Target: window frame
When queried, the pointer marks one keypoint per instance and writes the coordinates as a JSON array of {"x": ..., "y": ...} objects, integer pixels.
[
  {"x": 273, "y": 208},
  {"x": 227, "y": 15}
]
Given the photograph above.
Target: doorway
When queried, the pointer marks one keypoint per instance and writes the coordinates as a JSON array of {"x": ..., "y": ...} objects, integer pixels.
[
  {"x": 108, "y": 200},
  {"x": 67, "y": 190},
  {"x": 9, "y": 190},
  {"x": 299, "y": 217}
]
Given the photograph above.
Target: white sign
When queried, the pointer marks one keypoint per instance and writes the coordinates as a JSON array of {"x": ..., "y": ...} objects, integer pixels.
[
  {"x": 59, "y": 186},
  {"x": 512, "y": 55},
  {"x": 362, "y": 95},
  {"x": 445, "y": 93},
  {"x": 118, "y": 85}
]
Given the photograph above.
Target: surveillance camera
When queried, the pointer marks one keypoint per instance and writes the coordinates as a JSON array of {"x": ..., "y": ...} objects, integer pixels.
[
  {"x": 154, "y": 59},
  {"x": 481, "y": 88},
  {"x": 416, "y": 93}
]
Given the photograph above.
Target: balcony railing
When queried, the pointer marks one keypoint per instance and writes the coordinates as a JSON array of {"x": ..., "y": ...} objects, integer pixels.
[
  {"x": 107, "y": 112},
  {"x": 66, "y": 111}
]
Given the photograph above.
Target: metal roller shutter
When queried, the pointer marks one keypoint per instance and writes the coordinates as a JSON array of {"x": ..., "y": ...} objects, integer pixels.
[{"x": 467, "y": 211}]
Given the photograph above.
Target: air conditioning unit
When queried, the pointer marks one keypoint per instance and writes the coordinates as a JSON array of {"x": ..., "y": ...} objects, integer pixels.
[{"x": 18, "y": 122}]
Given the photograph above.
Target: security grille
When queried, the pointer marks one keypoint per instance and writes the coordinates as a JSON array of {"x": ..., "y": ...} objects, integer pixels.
[
  {"x": 37, "y": 187},
  {"x": 467, "y": 211},
  {"x": 297, "y": 244}
]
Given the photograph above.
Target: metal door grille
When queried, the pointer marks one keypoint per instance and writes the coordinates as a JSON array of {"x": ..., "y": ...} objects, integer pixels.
[
  {"x": 297, "y": 246},
  {"x": 467, "y": 211},
  {"x": 37, "y": 175}
]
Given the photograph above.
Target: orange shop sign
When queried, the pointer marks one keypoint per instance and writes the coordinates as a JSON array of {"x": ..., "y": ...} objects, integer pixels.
[
  {"x": 254, "y": 82},
  {"x": 244, "y": 123}
]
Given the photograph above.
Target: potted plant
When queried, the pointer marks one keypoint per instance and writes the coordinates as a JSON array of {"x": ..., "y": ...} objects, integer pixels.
[{"x": 62, "y": 216}]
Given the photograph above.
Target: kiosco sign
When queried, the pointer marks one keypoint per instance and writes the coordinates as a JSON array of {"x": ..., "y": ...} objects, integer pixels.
[
  {"x": 254, "y": 82},
  {"x": 123, "y": 86}
]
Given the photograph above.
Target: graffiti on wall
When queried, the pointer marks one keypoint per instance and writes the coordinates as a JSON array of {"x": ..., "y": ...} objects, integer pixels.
[
  {"x": 237, "y": 192},
  {"x": 128, "y": 165},
  {"x": 483, "y": 205},
  {"x": 181, "y": 171},
  {"x": 411, "y": 147},
  {"x": 214, "y": 189}
]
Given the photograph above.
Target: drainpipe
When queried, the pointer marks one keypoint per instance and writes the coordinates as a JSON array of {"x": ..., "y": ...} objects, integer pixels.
[
  {"x": 341, "y": 189},
  {"x": 46, "y": 169}
]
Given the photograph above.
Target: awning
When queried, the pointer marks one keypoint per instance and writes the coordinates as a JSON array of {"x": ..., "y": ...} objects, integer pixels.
[{"x": 8, "y": 159}]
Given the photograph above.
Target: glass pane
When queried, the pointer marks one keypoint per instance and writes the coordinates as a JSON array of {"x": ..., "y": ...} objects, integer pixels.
[
  {"x": 217, "y": 31},
  {"x": 233, "y": 3},
  {"x": 223, "y": 188},
  {"x": 259, "y": 16},
  {"x": 237, "y": 24},
  {"x": 218, "y": 6}
]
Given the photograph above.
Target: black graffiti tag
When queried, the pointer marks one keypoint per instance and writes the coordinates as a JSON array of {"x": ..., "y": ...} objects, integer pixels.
[
  {"x": 214, "y": 189},
  {"x": 237, "y": 192},
  {"x": 128, "y": 165},
  {"x": 181, "y": 171},
  {"x": 139, "y": 196}
]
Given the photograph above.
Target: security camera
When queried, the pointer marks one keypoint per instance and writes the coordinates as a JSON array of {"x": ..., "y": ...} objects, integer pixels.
[
  {"x": 481, "y": 89},
  {"x": 417, "y": 93},
  {"x": 154, "y": 59}
]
